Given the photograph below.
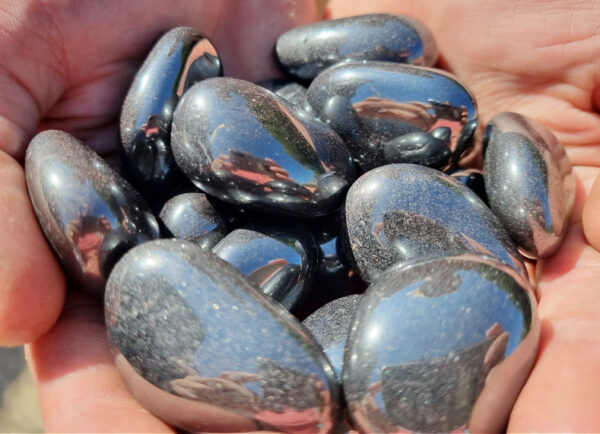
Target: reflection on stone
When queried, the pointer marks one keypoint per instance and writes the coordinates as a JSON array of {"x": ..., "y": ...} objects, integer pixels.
[
  {"x": 372, "y": 103},
  {"x": 90, "y": 215},
  {"x": 440, "y": 344},
  {"x": 246, "y": 146},
  {"x": 180, "y": 58},
  {"x": 306, "y": 51},
  {"x": 400, "y": 211},
  {"x": 529, "y": 182},
  {"x": 235, "y": 354}
]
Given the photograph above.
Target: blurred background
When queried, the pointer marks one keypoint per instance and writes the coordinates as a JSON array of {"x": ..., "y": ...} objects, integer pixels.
[{"x": 19, "y": 404}]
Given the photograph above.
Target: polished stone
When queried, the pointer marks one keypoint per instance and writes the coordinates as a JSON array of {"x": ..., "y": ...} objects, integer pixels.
[
  {"x": 417, "y": 147},
  {"x": 529, "y": 182},
  {"x": 306, "y": 51},
  {"x": 179, "y": 59},
  {"x": 247, "y": 146},
  {"x": 330, "y": 325},
  {"x": 372, "y": 103},
  {"x": 280, "y": 260},
  {"x": 400, "y": 211},
  {"x": 440, "y": 345},
  {"x": 472, "y": 178},
  {"x": 289, "y": 90},
  {"x": 202, "y": 349},
  {"x": 192, "y": 217},
  {"x": 90, "y": 215}
]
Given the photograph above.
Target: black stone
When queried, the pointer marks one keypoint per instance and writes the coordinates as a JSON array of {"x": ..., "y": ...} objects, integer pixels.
[
  {"x": 371, "y": 103},
  {"x": 291, "y": 91},
  {"x": 179, "y": 59},
  {"x": 192, "y": 217},
  {"x": 529, "y": 182},
  {"x": 90, "y": 215},
  {"x": 472, "y": 178},
  {"x": 280, "y": 260},
  {"x": 201, "y": 348},
  {"x": 306, "y": 51},
  {"x": 440, "y": 345},
  {"x": 247, "y": 146},
  {"x": 400, "y": 211},
  {"x": 418, "y": 147},
  {"x": 330, "y": 325}
]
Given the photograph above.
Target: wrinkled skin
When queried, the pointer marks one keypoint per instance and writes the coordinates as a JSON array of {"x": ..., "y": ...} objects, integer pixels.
[{"x": 67, "y": 65}]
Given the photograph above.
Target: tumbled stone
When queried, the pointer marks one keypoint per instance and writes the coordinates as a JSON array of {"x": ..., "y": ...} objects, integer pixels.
[
  {"x": 372, "y": 103},
  {"x": 472, "y": 178},
  {"x": 330, "y": 325},
  {"x": 417, "y": 148},
  {"x": 191, "y": 217},
  {"x": 289, "y": 90},
  {"x": 90, "y": 215},
  {"x": 306, "y": 51},
  {"x": 247, "y": 146},
  {"x": 529, "y": 182},
  {"x": 440, "y": 345},
  {"x": 281, "y": 261},
  {"x": 202, "y": 349},
  {"x": 179, "y": 59},
  {"x": 400, "y": 211}
]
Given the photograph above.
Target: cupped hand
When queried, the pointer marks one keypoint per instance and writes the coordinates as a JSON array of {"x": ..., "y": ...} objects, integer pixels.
[
  {"x": 540, "y": 59},
  {"x": 67, "y": 64}
]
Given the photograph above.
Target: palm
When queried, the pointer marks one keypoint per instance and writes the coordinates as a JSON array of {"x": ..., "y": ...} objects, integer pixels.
[{"x": 541, "y": 62}]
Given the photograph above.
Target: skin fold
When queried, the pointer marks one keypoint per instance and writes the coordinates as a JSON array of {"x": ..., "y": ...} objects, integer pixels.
[{"x": 67, "y": 65}]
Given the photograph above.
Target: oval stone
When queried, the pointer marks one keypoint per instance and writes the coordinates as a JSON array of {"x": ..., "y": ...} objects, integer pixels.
[
  {"x": 371, "y": 103},
  {"x": 191, "y": 217},
  {"x": 245, "y": 145},
  {"x": 201, "y": 348},
  {"x": 529, "y": 182},
  {"x": 281, "y": 261},
  {"x": 440, "y": 345},
  {"x": 400, "y": 211},
  {"x": 330, "y": 325},
  {"x": 179, "y": 59},
  {"x": 90, "y": 215},
  {"x": 306, "y": 51}
]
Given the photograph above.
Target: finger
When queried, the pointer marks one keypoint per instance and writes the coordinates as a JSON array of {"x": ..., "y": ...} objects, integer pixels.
[
  {"x": 591, "y": 216},
  {"x": 79, "y": 386},
  {"x": 31, "y": 282}
]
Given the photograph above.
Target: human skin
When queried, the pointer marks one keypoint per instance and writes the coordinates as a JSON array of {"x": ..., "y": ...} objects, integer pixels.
[{"x": 67, "y": 65}]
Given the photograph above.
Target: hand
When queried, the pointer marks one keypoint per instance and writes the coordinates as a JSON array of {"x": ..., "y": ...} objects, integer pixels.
[
  {"x": 539, "y": 59},
  {"x": 67, "y": 65}
]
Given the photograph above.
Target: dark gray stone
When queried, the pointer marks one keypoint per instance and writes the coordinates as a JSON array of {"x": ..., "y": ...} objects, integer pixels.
[
  {"x": 191, "y": 217},
  {"x": 440, "y": 345},
  {"x": 417, "y": 147},
  {"x": 306, "y": 51},
  {"x": 281, "y": 261},
  {"x": 330, "y": 325},
  {"x": 371, "y": 103},
  {"x": 529, "y": 182},
  {"x": 212, "y": 350},
  {"x": 180, "y": 58},
  {"x": 400, "y": 211},
  {"x": 90, "y": 215},
  {"x": 247, "y": 146}
]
